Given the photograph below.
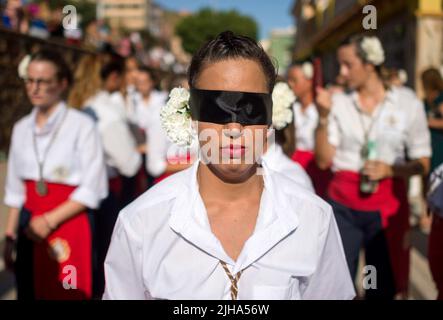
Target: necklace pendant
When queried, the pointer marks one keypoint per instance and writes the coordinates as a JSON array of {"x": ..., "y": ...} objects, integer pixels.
[
  {"x": 364, "y": 152},
  {"x": 41, "y": 188}
]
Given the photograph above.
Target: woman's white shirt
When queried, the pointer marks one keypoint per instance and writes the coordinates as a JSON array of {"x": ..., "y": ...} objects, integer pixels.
[
  {"x": 399, "y": 129},
  {"x": 305, "y": 122},
  {"x": 163, "y": 248},
  {"x": 75, "y": 157},
  {"x": 119, "y": 144}
]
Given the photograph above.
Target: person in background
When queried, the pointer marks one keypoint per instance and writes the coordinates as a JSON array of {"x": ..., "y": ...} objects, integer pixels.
[
  {"x": 56, "y": 171},
  {"x": 92, "y": 92},
  {"x": 281, "y": 141},
  {"x": 366, "y": 134},
  {"x": 433, "y": 88},
  {"x": 129, "y": 88},
  {"x": 299, "y": 77}
]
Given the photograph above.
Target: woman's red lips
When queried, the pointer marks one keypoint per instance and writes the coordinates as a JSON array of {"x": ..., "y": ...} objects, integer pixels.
[{"x": 233, "y": 151}]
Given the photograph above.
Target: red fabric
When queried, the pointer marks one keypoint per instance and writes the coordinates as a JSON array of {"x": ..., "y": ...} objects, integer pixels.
[
  {"x": 435, "y": 253},
  {"x": 115, "y": 186},
  {"x": 391, "y": 201},
  {"x": 73, "y": 237},
  {"x": 173, "y": 160},
  {"x": 320, "y": 178}
]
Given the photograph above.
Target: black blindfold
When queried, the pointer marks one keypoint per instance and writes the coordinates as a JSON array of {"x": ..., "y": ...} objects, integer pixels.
[{"x": 223, "y": 107}]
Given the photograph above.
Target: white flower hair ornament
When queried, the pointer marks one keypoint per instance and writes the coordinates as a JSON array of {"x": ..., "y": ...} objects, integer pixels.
[
  {"x": 176, "y": 118},
  {"x": 23, "y": 66},
  {"x": 308, "y": 70},
  {"x": 373, "y": 50},
  {"x": 282, "y": 99},
  {"x": 177, "y": 122}
]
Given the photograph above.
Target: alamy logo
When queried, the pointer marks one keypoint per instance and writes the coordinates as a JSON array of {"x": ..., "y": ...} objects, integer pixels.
[
  {"x": 70, "y": 21},
  {"x": 70, "y": 280},
  {"x": 370, "y": 278},
  {"x": 370, "y": 20}
]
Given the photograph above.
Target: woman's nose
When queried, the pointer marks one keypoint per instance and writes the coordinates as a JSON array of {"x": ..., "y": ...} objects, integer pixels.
[{"x": 233, "y": 130}]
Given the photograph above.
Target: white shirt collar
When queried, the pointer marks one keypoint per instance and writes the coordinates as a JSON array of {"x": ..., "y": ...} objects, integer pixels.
[
  {"x": 391, "y": 98},
  {"x": 52, "y": 121},
  {"x": 189, "y": 218}
]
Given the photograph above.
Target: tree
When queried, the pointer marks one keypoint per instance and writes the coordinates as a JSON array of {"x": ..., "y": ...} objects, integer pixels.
[{"x": 204, "y": 25}]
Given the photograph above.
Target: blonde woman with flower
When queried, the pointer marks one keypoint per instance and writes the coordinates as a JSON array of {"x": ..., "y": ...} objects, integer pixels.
[
  {"x": 376, "y": 138},
  {"x": 226, "y": 228}
]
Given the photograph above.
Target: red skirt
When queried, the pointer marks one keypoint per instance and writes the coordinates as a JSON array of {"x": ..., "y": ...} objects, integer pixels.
[
  {"x": 320, "y": 178},
  {"x": 63, "y": 261},
  {"x": 391, "y": 201}
]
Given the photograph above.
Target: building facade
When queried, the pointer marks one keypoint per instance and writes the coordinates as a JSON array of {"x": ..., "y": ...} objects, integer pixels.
[
  {"x": 411, "y": 32},
  {"x": 131, "y": 15}
]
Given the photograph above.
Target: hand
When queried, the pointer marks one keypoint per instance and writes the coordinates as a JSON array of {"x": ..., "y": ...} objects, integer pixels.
[
  {"x": 323, "y": 101},
  {"x": 38, "y": 229},
  {"x": 434, "y": 123},
  {"x": 8, "y": 253},
  {"x": 377, "y": 170}
]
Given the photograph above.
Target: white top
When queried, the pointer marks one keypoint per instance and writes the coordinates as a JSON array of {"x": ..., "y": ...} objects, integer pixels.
[
  {"x": 144, "y": 110},
  {"x": 305, "y": 123},
  {"x": 75, "y": 157},
  {"x": 278, "y": 161},
  {"x": 163, "y": 248},
  {"x": 118, "y": 142},
  {"x": 400, "y": 127}
]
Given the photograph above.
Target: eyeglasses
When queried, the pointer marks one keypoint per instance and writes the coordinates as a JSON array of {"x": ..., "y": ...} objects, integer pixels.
[{"x": 44, "y": 83}]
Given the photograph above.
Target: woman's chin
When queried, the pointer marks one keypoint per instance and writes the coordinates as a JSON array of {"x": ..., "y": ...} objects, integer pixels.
[{"x": 233, "y": 173}]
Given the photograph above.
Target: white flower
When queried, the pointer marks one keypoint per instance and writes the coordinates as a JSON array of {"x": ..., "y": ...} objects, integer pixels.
[
  {"x": 282, "y": 98},
  {"x": 373, "y": 50},
  {"x": 176, "y": 118},
  {"x": 308, "y": 70},
  {"x": 23, "y": 66}
]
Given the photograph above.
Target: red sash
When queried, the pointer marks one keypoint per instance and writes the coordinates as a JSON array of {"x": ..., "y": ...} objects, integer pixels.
[
  {"x": 320, "y": 178},
  {"x": 65, "y": 256},
  {"x": 173, "y": 160},
  {"x": 391, "y": 201},
  {"x": 115, "y": 186}
]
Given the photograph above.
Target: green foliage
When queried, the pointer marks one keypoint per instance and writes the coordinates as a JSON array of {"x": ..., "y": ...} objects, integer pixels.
[{"x": 204, "y": 25}]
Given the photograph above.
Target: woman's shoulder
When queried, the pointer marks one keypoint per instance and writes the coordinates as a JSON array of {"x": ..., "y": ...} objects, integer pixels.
[
  {"x": 299, "y": 196},
  {"x": 23, "y": 123}
]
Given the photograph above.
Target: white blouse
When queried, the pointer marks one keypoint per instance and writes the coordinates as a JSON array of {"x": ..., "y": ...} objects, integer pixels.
[
  {"x": 75, "y": 157},
  {"x": 163, "y": 248},
  {"x": 305, "y": 123},
  {"x": 120, "y": 148},
  {"x": 145, "y": 110},
  {"x": 399, "y": 128},
  {"x": 278, "y": 161}
]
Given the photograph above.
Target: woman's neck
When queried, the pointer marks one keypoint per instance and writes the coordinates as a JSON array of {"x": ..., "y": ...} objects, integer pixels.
[
  {"x": 371, "y": 93},
  {"x": 306, "y": 100},
  {"x": 211, "y": 186},
  {"x": 43, "y": 114},
  {"x": 146, "y": 96}
]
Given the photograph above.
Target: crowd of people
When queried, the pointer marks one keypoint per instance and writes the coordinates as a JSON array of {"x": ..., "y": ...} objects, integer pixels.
[{"x": 93, "y": 162}]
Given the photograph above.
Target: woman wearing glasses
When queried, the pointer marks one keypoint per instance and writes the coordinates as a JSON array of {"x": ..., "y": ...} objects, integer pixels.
[{"x": 55, "y": 172}]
